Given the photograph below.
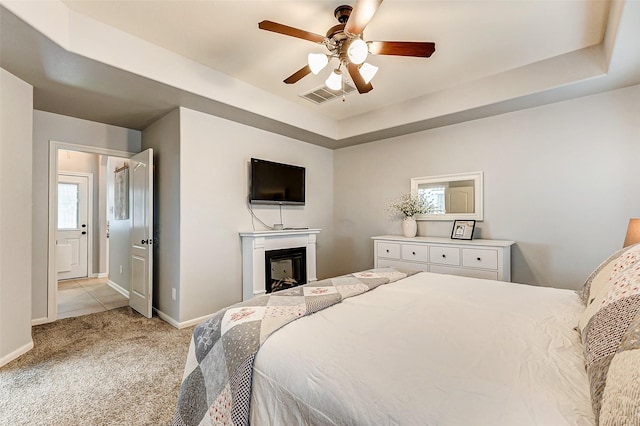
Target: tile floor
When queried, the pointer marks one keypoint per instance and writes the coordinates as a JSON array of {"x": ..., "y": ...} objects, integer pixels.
[{"x": 87, "y": 296}]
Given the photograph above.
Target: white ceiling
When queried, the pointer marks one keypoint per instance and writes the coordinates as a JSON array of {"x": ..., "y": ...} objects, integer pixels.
[
  {"x": 474, "y": 39},
  {"x": 129, "y": 62}
]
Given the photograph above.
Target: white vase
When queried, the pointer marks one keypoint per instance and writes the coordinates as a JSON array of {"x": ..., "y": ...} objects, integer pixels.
[{"x": 409, "y": 227}]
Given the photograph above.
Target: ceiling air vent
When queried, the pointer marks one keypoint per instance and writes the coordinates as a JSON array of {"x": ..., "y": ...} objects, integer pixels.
[{"x": 324, "y": 94}]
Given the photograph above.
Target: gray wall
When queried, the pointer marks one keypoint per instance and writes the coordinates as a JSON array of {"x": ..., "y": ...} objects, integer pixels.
[
  {"x": 213, "y": 156},
  {"x": 557, "y": 181},
  {"x": 561, "y": 180},
  {"x": 16, "y": 104},
  {"x": 164, "y": 137},
  {"x": 119, "y": 233},
  {"x": 54, "y": 127}
]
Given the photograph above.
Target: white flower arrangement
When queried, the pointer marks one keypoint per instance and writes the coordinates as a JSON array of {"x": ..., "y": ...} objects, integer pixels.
[{"x": 409, "y": 205}]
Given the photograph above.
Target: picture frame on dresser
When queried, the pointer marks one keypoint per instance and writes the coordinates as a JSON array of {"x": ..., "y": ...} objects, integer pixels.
[{"x": 463, "y": 229}]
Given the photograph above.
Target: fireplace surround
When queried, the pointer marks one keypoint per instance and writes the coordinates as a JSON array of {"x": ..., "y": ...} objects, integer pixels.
[{"x": 256, "y": 244}]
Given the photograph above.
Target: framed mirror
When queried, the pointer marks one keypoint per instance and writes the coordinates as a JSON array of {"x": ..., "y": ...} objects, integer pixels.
[{"x": 453, "y": 197}]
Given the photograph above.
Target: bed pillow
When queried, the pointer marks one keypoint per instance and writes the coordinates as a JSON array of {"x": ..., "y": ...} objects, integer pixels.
[
  {"x": 608, "y": 337},
  {"x": 599, "y": 286},
  {"x": 598, "y": 277}
]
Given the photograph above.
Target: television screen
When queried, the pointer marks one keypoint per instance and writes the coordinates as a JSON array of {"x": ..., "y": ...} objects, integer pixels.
[{"x": 276, "y": 183}]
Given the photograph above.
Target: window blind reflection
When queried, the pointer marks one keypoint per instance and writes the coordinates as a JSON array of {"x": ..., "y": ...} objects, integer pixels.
[{"x": 67, "y": 206}]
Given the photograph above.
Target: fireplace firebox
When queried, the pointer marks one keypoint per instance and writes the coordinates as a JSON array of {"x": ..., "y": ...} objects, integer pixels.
[{"x": 285, "y": 268}]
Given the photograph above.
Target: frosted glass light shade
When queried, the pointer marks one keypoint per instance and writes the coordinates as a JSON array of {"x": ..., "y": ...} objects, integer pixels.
[
  {"x": 368, "y": 71},
  {"x": 317, "y": 61},
  {"x": 633, "y": 232},
  {"x": 334, "y": 82},
  {"x": 358, "y": 51}
]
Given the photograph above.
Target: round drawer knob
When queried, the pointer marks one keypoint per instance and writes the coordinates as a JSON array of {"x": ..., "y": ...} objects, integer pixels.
[
  {"x": 387, "y": 250},
  {"x": 413, "y": 253},
  {"x": 444, "y": 255},
  {"x": 478, "y": 259}
]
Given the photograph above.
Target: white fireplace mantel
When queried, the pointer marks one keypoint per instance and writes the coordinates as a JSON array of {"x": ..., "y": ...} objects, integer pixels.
[{"x": 256, "y": 243}]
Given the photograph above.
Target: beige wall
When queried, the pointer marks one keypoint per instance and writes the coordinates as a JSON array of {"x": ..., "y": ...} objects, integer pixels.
[
  {"x": 16, "y": 124},
  {"x": 561, "y": 180}
]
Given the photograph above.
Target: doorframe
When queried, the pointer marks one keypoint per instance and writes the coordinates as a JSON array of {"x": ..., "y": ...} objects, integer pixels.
[
  {"x": 89, "y": 177},
  {"x": 52, "y": 281}
]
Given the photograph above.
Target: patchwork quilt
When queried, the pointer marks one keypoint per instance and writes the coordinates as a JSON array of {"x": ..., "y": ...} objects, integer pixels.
[
  {"x": 610, "y": 329},
  {"x": 216, "y": 386}
]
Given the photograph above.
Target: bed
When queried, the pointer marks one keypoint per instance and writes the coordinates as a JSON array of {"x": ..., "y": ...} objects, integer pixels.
[{"x": 393, "y": 347}]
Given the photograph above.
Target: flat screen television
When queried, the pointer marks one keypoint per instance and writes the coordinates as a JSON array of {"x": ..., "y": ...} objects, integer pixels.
[{"x": 276, "y": 183}]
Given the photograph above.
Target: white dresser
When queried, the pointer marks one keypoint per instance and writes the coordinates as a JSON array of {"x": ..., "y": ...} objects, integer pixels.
[{"x": 488, "y": 259}]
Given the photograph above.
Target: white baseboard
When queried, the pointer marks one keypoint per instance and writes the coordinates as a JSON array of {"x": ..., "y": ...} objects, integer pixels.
[
  {"x": 117, "y": 288},
  {"x": 15, "y": 354},
  {"x": 39, "y": 321},
  {"x": 102, "y": 275},
  {"x": 177, "y": 324}
]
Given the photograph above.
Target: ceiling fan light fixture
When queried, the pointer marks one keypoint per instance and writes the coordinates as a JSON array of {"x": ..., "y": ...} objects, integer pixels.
[
  {"x": 357, "y": 51},
  {"x": 334, "y": 82},
  {"x": 368, "y": 71},
  {"x": 317, "y": 61}
]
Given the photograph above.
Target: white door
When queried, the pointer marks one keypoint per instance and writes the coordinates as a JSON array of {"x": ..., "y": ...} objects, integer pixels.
[
  {"x": 460, "y": 200},
  {"x": 141, "y": 252},
  {"x": 73, "y": 227}
]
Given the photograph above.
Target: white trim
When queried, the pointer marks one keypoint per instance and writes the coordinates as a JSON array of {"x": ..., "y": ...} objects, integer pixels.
[
  {"x": 177, "y": 324},
  {"x": 52, "y": 278},
  {"x": 39, "y": 321},
  {"x": 101, "y": 275},
  {"x": 15, "y": 354},
  {"x": 118, "y": 288}
]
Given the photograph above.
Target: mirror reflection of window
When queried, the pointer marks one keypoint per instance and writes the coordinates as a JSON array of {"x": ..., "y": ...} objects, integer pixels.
[
  {"x": 435, "y": 196},
  {"x": 453, "y": 196}
]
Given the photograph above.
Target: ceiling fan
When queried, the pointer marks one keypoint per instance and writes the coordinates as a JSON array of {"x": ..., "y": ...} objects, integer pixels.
[{"x": 345, "y": 43}]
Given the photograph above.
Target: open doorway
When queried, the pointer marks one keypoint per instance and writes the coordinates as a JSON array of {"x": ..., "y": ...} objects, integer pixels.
[
  {"x": 103, "y": 247},
  {"x": 85, "y": 210},
  {"x": 128, "y": 178}
]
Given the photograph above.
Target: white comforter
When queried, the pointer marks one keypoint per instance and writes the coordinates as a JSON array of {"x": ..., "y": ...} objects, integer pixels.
[{"x": 429, "y": 350}]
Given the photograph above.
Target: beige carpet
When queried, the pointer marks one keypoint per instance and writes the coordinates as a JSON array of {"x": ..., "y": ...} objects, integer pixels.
[{"x": 109, "y": 368}]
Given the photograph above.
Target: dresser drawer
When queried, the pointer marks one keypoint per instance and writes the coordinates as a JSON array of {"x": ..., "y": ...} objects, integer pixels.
[
  {"x": 471, "y": 273},
  {"x": 389, "y": 250},
  {"x": 480, "y": 258},
  {"x": 444, "y": 255},
  {"x": 414, "y": 252},
  {"x": 487, "y": 259},
  {"x": 412, "y": 266}
]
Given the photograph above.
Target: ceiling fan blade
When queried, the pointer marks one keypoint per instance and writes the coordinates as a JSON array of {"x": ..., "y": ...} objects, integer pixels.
[
  {"x": 402, "y": 48},
  {"x": 360, "y": 16},
  {"x": 358, "y": 80},
  {"x": 296, "y": 76},
  {"x": 290, "y": 31}
]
